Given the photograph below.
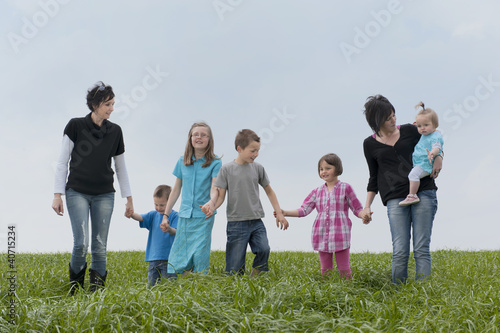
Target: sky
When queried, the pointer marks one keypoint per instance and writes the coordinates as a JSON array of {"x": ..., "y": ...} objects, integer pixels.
[{"x": 296, "y": 72}]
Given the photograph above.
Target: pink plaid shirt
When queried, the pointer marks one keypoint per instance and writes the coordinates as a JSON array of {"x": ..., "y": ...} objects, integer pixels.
[{"x": 331, "y": 231}]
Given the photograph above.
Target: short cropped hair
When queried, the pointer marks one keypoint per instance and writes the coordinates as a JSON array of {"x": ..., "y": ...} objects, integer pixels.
[
  {"x": 162, "y": 191},
  {"x": 377, "y": 110},
  {"x": 99, "y": 94},
  {"x": 244, "y": 138},
  {"x": 428, "y": 112},
  {"x": 333, "y": 160}
]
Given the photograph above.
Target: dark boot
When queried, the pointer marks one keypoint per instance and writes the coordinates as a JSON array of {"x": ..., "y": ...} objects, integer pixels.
[
  {"x": 76, "y": 280},
  {"x": 96, "y": 280}
]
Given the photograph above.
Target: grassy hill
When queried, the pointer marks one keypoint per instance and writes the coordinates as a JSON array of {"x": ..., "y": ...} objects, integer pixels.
[{"x": 463, "y": 295}]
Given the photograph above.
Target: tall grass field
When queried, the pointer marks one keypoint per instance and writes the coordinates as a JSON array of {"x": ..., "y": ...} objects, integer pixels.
[{"x": 463, "y": 295}]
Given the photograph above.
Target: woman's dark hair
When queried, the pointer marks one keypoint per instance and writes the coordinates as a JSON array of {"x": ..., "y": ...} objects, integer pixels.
[
  {"x": 377, "y": 110},
  {"x": 99, "y": 94},
  {"x": 334, "y": 160}
]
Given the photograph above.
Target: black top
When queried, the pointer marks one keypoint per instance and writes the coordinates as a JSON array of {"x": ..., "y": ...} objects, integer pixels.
[
  {"x": 90, "y": 169},
  {"x": 390, "y": 165}
]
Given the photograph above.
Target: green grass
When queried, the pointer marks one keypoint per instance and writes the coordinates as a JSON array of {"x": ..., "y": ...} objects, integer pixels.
[{"x": 463, "y": 295}]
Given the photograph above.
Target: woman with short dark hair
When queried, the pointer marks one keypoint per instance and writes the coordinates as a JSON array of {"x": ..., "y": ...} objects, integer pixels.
[
  {"x": 89, "y": 144},
  {"x": 388, "y": 153}
]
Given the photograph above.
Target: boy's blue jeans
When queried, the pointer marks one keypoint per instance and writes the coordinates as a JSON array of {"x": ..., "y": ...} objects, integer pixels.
[
  {"x": 239, "y": 235},
  {"x": 156, "y": 270},
  {"x": 100, "y": 207},
  {"x": 402, "y": 220}
]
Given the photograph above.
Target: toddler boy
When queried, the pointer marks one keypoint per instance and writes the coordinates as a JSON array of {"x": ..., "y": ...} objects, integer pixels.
[{"x": 159, "y": 242}]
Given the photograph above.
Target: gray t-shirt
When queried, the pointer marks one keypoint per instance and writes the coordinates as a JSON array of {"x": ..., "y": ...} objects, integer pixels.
[{"x": 242, "y": 184}]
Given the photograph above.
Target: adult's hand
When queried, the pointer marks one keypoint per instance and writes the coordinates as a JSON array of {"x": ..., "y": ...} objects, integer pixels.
[
  {"x": 437, "y": 166},
  {"x": 366, "y": 215},
  {"x": 57, "y": 205},
  {"x": 129, "y": 207}
]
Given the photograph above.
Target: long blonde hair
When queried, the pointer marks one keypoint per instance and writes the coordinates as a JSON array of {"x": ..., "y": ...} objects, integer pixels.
[{"x": 209, "y": 152}]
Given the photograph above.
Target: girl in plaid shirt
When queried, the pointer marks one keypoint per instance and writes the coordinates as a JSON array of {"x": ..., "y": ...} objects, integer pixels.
[{"x": 331, "y": 231}]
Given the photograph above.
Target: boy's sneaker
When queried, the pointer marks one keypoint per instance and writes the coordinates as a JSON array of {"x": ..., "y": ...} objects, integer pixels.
[{"x": 410, "y": 200}]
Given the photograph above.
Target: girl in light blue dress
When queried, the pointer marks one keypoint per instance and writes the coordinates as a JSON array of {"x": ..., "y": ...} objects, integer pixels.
[{"x": 196, "y": 172}]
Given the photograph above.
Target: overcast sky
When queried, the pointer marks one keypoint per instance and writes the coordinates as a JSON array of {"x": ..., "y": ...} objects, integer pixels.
[{"x": 296, "y": 72}]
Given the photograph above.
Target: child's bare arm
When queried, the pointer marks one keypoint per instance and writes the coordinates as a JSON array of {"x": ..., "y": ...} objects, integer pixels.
[
  {"x": 209, "y": 207},
  {"x": 172, "y": 198},
  {"x": 170, "y": 230},
  {"x": 281, "y": 222},
  {"x": 222, "y": 196},
  {"x": 136, "y": 217},
  {"x": 291, "y": 213},
  {"x": 367, "y": 213}
]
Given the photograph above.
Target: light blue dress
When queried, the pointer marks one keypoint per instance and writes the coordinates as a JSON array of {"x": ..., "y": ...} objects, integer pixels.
[{"x": 191, "y": 248}]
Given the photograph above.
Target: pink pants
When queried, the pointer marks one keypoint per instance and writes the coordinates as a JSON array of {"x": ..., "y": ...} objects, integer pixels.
[{"x": 342, "y": 259}]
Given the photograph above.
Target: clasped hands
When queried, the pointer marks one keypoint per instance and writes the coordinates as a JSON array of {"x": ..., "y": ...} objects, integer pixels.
[{"x": 365, "y": 215}]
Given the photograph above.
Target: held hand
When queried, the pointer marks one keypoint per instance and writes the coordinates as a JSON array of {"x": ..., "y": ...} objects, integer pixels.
[
  {"x": 164, "y": 226},
  {"x": 366, "y": 215},
  {"x": 208, "y": 209},
  {"x": 129, "y": 209},
  {"x": 281, "y": 222},
  {"x": 282, "y": 212},
  {"x": 57, "y": 206}
]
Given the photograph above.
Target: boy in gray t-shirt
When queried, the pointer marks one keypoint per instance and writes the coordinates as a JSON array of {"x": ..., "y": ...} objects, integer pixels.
[{"x": 241, "y": 179}]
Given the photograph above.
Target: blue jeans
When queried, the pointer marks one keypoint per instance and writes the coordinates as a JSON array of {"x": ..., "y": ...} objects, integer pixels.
[
  {"x": 420, "y": 217},
  {"x": 100, "y": 208},
  {"x": 239, "y": 235},
  {"x": 156, "y": 270}
]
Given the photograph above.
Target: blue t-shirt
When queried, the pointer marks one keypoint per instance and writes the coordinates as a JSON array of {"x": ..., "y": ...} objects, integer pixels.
[
  {"x": 435, "y": 139},
  {"x": 196, "y": 185},
  {"x": 159, "y": 242}
]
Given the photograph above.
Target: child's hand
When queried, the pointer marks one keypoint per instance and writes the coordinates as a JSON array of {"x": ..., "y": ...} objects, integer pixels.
[
  {"x": 366, "y": 215},
  {"x": 430, "y": 155},
  {"x": 281, "y": 221},
  {"x": 164, "y": 226},
  {"x": 284, "y": 224},
  {"x": 282, "y": 212},
  {"x": 129, "y": 209},
  {"x": 208, "y": 208}
]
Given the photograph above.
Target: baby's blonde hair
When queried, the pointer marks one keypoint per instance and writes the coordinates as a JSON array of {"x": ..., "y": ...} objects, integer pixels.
[{"x": 428, "y": 112}]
